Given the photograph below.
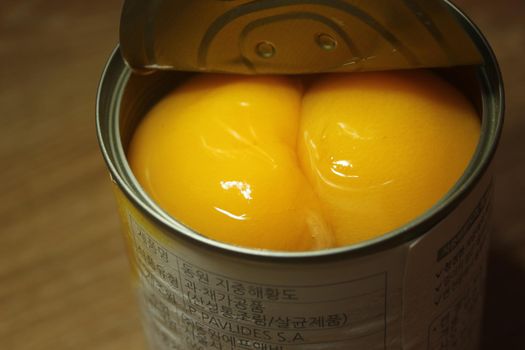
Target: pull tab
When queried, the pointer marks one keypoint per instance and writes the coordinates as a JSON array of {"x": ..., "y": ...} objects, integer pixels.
[{"x": 293, "y": 36}]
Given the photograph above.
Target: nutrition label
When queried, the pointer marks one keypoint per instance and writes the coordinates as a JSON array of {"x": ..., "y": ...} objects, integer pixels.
[
  {"x": 461, "y": 270},
  {"x": 445, "y": 278},
  {"x": 195, "y": 307}
]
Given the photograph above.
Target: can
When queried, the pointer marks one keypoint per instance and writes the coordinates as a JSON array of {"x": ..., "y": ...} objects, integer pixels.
[{"x": 418, "y": 287}]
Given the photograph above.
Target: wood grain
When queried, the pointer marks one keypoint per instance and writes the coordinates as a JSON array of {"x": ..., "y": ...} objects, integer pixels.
[{"x": 64, "y": 280}]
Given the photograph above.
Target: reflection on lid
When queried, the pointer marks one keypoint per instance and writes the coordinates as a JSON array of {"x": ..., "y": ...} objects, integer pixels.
[{"x": 293, "y": 36}]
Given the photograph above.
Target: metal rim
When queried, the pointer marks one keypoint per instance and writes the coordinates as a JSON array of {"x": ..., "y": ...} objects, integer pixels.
[{"x": 109, "y": 95}]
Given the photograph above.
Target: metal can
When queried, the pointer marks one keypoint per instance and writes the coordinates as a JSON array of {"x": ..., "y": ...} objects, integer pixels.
[{"x": 418, "y": 287}]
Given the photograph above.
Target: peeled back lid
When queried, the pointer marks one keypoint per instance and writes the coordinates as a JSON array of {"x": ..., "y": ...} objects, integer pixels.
[{"x": 293, "y": 36}]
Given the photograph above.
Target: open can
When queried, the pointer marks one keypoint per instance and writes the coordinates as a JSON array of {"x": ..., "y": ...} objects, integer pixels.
[{"x": 418, "y": 287}]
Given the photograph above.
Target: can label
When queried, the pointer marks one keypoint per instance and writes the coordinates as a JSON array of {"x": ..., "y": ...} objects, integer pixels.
[
  {"x": 445, "y": 279},
  {"x": 424, "y": 294}
]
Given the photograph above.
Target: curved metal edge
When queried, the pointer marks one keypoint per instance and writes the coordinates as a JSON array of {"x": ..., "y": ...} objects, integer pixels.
[
  {"x": 492, "y": 92},
  {"x": 492, "y": 77}
]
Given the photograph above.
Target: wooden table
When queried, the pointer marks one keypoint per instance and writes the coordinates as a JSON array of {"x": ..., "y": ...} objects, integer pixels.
[{"x": 63, "y": 272}]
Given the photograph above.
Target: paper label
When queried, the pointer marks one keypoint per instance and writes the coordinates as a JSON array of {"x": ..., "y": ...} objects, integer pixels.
[
  {"x": 426, "y": 294},
  {"x": 445, "y": 279},
  {"x": 191, "y": 307}
]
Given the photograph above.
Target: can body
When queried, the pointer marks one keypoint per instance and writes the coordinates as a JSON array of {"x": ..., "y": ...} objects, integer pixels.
[{"x": 420, "y": 287}]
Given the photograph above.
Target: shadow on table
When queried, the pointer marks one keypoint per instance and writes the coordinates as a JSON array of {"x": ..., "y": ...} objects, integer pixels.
[{"x": 504, "y": 325}]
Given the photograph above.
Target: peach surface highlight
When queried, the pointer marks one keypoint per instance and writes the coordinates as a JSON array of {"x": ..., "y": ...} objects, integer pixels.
[{"x": 292, "y": 164}]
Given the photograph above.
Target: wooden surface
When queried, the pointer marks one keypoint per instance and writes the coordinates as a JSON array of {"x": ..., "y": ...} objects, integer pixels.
[{"x": 63, "y": 272}]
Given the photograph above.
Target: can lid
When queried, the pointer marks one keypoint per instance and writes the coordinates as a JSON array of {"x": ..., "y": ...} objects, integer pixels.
[{"x": 292, "y": 36}]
